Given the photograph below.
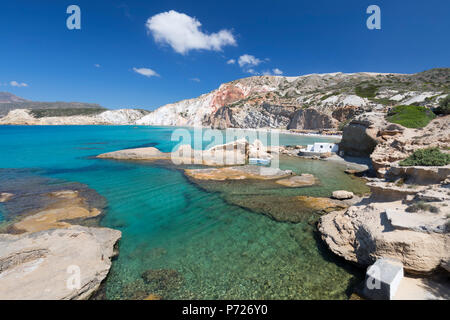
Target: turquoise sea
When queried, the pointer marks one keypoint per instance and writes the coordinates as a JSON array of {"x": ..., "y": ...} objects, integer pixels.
[{"x": 206, "y": 247}]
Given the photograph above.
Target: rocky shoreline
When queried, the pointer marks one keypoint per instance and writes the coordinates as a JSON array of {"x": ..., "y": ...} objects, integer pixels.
[
  {"x": 45, "y": 255},
  {"x": 407, "y": 215}
]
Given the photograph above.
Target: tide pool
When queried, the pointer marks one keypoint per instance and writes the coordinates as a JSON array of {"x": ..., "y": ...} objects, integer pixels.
[{"x": 207, "y": 247}]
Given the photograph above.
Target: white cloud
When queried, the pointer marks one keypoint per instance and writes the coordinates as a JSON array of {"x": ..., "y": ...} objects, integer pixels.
[
  {"x": 231, "y": 61},
  {"x": 195, "y": 79},
  {"x": 146, "y": 72},
  {"x": 248, "y": 60},
  {"x": 97, "y": 65},
  {"x": 183, "y": 33},
  {"x": 18, "y": 84},
  {"x": 252, "y": 71},
  {"x": 276, "y": 72}
]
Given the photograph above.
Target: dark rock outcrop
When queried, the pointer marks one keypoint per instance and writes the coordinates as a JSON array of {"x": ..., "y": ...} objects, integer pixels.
[
  {"x": 343, "y": 114},
  {"x": 311, "y": 119},
  {"x": 359, "y": 137}
]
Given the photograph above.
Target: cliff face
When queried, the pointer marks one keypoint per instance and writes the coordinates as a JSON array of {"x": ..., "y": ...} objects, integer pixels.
[
  {"x": 311, "y": 119},
  {"x": 316, "y": 101}
]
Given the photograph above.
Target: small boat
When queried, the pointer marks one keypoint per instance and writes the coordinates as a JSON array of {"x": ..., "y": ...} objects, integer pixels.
[{"x": 259, "y": 161}]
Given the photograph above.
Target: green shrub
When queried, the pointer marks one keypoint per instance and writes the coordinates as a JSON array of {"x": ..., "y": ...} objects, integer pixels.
[
  {"x": 411, "y": 116},
  {"x": 366, "y": 91},
  {"x": 427, "y": 157},
  {"x": 65, "y": 112},
  {"x": 444, "y": 106},
  {"x": 422, "y": 206}
]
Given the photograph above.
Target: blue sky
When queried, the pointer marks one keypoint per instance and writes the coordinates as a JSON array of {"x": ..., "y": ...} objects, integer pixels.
[{"x": 48, "y": 62}]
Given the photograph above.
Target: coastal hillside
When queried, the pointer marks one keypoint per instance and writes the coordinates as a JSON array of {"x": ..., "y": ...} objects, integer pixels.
[
  {"x": 106, "y": 117},
  {"x": 18, "y": 111},
  {"x": 315, "y": 101},
  {"x": 9, "y": 102},
  {"x": 6, "y": 97},
  {"x": 310, "y": 102}
]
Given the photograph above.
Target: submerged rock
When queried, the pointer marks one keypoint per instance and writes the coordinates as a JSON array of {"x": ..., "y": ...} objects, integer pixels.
[
  {"x": 69, "y": 206},
  {"x": 44, "y": 265},
  {"x": 287, "y": 208},
  {"x": 153, "y": 296},
  {"x": 303, "y": 180},
  {"x": 163, "y": 279},
  {"x": 238, "y": 173},
  {"x": 5, "y": 196}
]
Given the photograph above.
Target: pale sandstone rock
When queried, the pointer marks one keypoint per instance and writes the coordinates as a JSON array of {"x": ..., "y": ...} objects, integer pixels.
[
  {"x": 342, "y": 194},
  {"x": 391, "y": 149},
  {"x": 38, "y": 265},
  {"x": 420, "y": 221},
  {"x": 383, "y": 191},
  {"x": 418, "y": 174},
  {"x": 232, "y": 153},
  {"x": 149, "y": 153},
  {"x": 363, "y": 234}
]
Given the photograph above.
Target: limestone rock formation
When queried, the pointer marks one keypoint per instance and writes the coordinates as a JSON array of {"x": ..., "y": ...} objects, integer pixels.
[
  {"x": 360, "y": 136},
  {"x": 44, "y": 265},
  {"x": 232, "y": 153},
  {"x": 149, "y": 153},
  {"x": 398, "y": 144},
  {"x": 364, "y": 233}
]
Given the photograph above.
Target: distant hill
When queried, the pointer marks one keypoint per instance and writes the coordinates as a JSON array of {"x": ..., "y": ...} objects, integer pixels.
[
  {"x": 9, "y": 101},
  {"x": 6, "y": 97}
]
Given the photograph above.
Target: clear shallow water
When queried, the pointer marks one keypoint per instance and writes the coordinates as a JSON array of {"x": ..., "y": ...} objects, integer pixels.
[{"x": 219, "y": 250}]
